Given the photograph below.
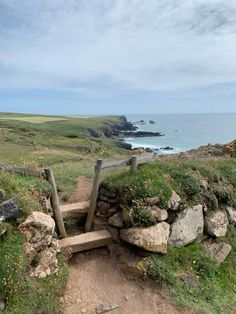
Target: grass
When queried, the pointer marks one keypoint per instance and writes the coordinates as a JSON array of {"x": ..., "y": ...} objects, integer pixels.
[
  {"x": 215, "y": 284},
  {"x": 28, "y": 191},
  {"x": 163, "y": 176},
  {"x": 24, "y": 294}
]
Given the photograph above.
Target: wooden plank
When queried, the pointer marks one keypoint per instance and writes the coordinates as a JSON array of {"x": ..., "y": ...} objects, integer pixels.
[
  {"x": 145, "y": 159},
  {"x": 21, "y": 171},
  {"x": 74, "y": 210},
  {"x": 111, "y": 165},
  {"x": 55, "y": 203},
  {"x": 94, "y": 195},
  {"x": 86, "y": 241}
]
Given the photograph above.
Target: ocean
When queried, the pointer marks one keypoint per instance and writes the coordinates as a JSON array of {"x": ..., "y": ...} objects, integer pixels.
[{"x": 184, "y": 131}]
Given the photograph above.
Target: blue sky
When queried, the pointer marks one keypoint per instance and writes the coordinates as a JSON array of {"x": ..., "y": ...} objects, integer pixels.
[{"x": 117, "y": 56}]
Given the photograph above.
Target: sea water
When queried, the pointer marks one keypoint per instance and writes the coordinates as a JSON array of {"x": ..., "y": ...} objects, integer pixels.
[{"x": 184, "y": 131}]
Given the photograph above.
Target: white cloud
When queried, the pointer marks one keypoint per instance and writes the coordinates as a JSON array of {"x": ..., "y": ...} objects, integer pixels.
[{"x": 131, "y": 44}]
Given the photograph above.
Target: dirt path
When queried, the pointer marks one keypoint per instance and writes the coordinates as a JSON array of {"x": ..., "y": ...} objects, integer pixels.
[
  {"x": 95, "y": 278},
  {"x": 83, "y": 190}
]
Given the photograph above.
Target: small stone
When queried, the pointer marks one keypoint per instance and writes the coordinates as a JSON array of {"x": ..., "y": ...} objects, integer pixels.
[
  {"x": 152, "y": 200},
  {"x": 2, "y": 195},
  {"x": 2, "y": 231},
  {"x": 159, "y": 214},
  {"x": 116, "y": 220},
  {"x": 216, "y": 224},
  {"x": 174, "y": 201},
  {"x": 2, "y": 305},
  {"x": 106, "y": 307},
  {"x": 61, "y": 300},
  {"x": 107, "y": 193},
  {"x": 204, "y": 184},
  {"x": 84, "y": 310},
  {"x": 231, "y": 213},
  {"x": 103, "y": 207},
  {"x": 218, "y": 251},
  {"x": 189, "y": 279}
]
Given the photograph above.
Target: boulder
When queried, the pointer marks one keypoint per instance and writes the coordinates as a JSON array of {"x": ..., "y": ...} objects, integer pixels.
[
  {"x": 216, "y": 223},
  {"x": 218, "y": 251},
  {"x": 9, "y": 210},
  {"x": 158, "y": 213},
  {"x": 152, "y": 239},
  {"x": 231, "y": 213},
  {"x": 38, "y": 229},
  {"x": 187, "y": 227},
  {"x": 2, "y": 195},
  {"x": 116, "y": 220},
  {"x": 174, "y": 201}
]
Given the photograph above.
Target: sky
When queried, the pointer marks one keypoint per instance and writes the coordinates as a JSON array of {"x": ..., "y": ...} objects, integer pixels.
[{"x": 117, "y": 56}]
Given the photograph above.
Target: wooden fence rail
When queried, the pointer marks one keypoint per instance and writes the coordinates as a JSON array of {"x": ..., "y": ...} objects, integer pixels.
[
  {"x": 21, "y": 170},
  {"x": 100, "y": 167}
]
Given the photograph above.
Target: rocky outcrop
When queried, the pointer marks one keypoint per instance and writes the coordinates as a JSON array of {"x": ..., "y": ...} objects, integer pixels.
[
  {"x": 188, "y": 226},
  {"x": 152, "y": 239},
  {"x": 137, "y": 134},
  {"x": 218, "y": 251},
  {"x": 174, "y": 201},
  {"x": 216, "y": 223},
  {"x": 41, "y": 249}
]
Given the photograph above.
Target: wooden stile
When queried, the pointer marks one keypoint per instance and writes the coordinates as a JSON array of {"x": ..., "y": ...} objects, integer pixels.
[{"x": 55, "y": 203}]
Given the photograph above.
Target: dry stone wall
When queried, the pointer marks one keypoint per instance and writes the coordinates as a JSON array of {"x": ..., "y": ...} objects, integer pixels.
[{"x": 171, "y": 226}]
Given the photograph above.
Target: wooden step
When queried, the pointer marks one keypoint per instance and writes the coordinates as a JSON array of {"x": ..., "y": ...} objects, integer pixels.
[
  {"x": 74, "y": 210},
  {"x": 86, "y": 241}
]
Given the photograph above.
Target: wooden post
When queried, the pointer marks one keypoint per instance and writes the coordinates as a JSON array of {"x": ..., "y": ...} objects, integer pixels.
[
  {"x": 94, "y": 195},
  {"x": 55, "y": 203},
  {"x": 134, "y": 164}
]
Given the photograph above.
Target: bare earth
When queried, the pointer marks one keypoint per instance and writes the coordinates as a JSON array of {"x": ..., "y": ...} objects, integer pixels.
[
  {"x": 95, "y": 278},
  {"x": 83, "y": 190}
]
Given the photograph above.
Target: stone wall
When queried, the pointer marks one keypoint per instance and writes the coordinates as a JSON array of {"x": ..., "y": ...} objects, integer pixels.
[{"x": 172, "y": 226}]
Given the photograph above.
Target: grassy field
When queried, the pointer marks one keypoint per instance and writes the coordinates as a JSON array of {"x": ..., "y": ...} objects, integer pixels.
[
  {"x": 69, "y": 144},
  {"x": 215, "y": 284}
]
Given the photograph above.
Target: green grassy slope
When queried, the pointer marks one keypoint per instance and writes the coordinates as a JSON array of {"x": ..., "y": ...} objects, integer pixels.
[{"x": 69, "y": 144}]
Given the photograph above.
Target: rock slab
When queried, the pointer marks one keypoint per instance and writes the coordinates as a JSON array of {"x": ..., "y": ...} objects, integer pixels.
[
  {"x": 152, "y": 239},
  {"x": 218, "y": 251},
  {"x": 187, "y": 227},
  {"x": 216, "y": 224}
]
